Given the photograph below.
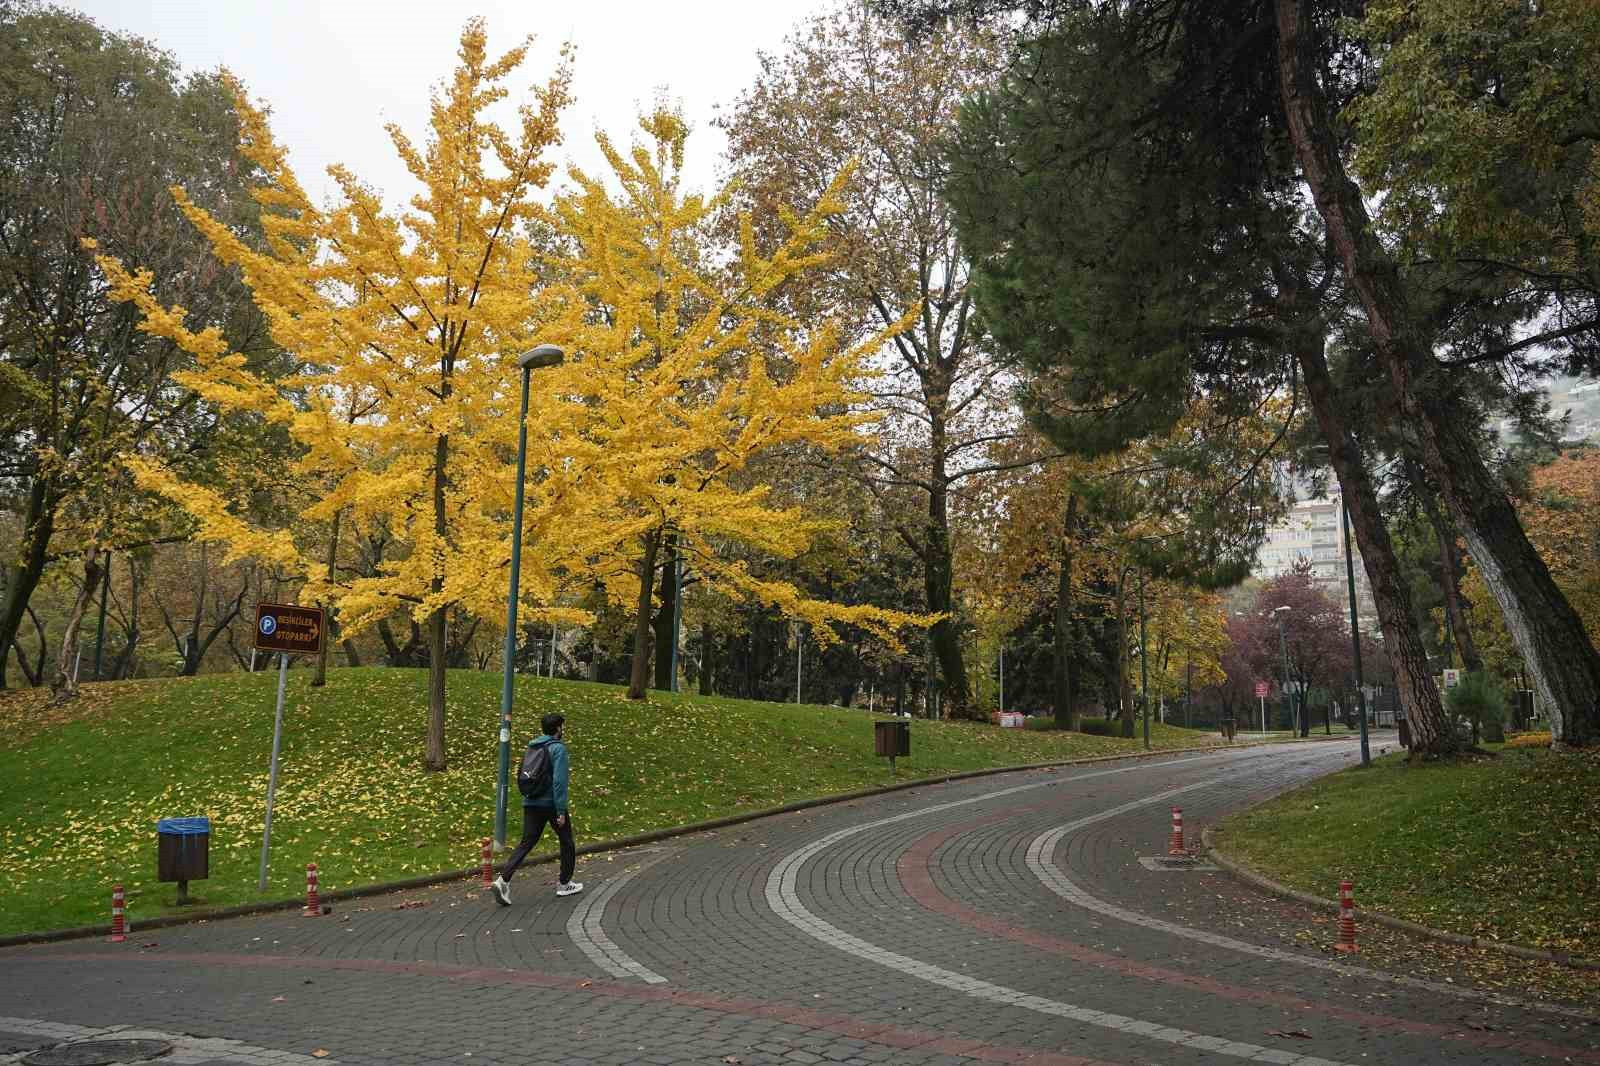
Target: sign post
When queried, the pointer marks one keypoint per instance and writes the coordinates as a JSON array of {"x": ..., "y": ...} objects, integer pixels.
[
  {"x": 285, "y": 629},
  {"x": 1262, "y": 688}
]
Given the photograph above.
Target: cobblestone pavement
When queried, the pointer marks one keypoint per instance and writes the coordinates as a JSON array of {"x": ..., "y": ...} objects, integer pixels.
[{"x": 1003, "y": 919}]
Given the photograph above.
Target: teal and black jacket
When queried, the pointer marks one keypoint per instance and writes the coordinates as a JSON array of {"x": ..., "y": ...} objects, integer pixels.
[{"x": 555, "y": 795}]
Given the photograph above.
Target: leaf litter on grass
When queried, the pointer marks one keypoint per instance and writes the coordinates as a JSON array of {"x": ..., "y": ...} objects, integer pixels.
[{"x": 86, "y": 785}]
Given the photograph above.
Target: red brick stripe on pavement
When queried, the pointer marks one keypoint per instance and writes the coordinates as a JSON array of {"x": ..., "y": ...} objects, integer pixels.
[
  {"x": 914, "y": 869},
  {"x": 934, "y": 1040}
]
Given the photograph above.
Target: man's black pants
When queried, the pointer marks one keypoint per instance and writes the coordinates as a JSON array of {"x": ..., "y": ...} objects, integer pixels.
[{"x": 533, "y": 823}]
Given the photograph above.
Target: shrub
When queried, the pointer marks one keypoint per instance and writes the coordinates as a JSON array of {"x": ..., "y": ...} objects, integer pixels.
[
  {"x": 1098, "y": 727},
  {"x": 1476, "y": 698},
  {"x": 1530, "y": 740}
]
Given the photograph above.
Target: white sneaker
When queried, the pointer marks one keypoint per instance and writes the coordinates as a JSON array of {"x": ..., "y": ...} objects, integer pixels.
[
  {"x": 571, "y": 888},
  {"x": 502, "y": 892}
]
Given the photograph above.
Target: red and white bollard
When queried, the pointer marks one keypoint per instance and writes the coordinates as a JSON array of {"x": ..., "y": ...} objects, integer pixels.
[
  {"x": 1176, "y": 847},
  {"x": 1347, "y": 918},
  {"x": 488, "y": 863},
  {"x": 313, "y": 904},
  {"x": 119, "y": 921}
]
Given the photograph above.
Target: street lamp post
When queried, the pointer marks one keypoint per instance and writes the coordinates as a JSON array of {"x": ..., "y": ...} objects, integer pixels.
[
  {"x": 1283, "y": 654},
  {"x": 799, "y": 659},
  {"x": 1355, "y": 637},
  {"x": 677, "y": 608},
  {"x": 542, "y": 356},
  {"x": 1144, "y": 667}
]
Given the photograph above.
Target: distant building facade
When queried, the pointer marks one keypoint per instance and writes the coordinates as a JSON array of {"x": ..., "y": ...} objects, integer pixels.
[{"x": 1312, "y": 531}]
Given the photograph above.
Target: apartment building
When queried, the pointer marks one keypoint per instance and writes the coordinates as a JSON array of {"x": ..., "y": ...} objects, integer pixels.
[{"x": 1312, "y": 531}]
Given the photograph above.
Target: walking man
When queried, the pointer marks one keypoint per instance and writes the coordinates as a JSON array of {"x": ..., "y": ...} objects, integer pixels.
[{"x": 544, "y": 800}]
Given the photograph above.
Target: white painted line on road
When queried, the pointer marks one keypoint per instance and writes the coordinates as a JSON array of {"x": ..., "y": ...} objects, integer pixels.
[
  {"x": 584, "y": 927},
  {"x": 1040, "y": 860},
  {"x": 785, "y": 903}
]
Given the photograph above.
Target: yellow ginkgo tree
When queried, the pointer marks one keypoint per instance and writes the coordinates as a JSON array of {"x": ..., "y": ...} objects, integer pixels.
[
  {"x": 691, "y": 369},
  {"x": 405, "y": 324}
]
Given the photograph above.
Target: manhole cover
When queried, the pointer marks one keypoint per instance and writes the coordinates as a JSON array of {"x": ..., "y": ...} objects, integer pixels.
[
  {"x": 1173, "y": 863},
  {"x": 99, "y": 1053}
]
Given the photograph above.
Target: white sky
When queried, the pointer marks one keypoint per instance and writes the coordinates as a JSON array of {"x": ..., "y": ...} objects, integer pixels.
[{"x": 335, "y": 71}]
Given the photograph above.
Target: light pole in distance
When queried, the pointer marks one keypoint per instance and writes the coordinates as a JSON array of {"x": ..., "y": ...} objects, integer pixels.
[
  {"x": 1283, "y": 654},
  {"x": 1355, "y": 636},
  {"x": 542, "y": 356}
]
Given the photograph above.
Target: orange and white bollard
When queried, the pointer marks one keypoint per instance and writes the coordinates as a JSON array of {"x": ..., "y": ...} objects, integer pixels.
[
  {"x": 488, "y": 863},
  {"x": 313, "y": 904},
  {"x": 119, "y": 920},
  {"x": 1347, "y": 918},
  {"x": 1176, "y": 847}
]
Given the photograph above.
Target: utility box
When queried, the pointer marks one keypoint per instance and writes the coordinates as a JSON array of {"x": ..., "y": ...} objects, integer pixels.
[
  {"x": 183, "y": 852},
  {"x": 891, "y": 739}
]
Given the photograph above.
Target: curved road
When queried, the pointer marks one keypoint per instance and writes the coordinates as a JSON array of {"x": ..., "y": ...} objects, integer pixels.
[{"x": 1004, "y": 919}]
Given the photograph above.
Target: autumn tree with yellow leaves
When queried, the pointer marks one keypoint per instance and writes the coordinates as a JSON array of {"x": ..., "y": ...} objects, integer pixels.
[
  {"x": 689, "y": 370},
  {"x": 406, "y": 324}
]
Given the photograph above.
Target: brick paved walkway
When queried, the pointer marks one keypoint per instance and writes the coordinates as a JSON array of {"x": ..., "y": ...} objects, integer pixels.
[{"x": 1004, "y": 919}]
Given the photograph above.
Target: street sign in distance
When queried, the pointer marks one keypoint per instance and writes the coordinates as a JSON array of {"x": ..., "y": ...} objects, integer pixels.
[
  {"x": 1452, "y": 678},
  {"x": 1263, "y": 690},
  {"x": 288, "y": 627}
]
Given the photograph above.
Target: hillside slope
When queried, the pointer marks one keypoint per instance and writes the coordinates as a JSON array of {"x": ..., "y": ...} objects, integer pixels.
[{"x": 84, "y": 786}]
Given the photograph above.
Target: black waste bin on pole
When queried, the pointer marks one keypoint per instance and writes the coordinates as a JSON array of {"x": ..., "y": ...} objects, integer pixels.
[
  {"x": 183, "y": 852},
  {"x": 891, "y": 738}
]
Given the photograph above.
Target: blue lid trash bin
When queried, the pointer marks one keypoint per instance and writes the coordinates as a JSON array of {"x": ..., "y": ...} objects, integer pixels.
[{"x": 183, "y": 852}]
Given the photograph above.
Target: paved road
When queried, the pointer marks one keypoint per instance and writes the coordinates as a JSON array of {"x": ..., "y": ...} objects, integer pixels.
[{"x": 1006, "y": 919}]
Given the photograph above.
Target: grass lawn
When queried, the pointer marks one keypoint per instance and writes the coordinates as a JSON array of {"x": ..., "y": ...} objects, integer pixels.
[
  {"x": 84, "y": 785},
  {"x": 1505, "y": 847}
]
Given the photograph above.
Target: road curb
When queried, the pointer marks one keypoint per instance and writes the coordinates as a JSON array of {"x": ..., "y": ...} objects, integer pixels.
[
  {"x": 600, "y": 846},
  {"x": 1262, "y": 881}
]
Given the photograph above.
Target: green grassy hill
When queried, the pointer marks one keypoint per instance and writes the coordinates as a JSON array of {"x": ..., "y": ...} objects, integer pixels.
[
  {"x": 85, "y": 784},
  {"x": 1506, "y": 848}
]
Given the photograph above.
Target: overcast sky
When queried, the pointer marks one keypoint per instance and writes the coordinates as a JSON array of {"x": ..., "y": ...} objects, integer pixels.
[{"x": 335, "y": 71}]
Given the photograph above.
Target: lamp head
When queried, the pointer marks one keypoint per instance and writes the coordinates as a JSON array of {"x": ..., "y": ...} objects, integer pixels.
[
  {"x": 542, "y": 356},
  {"x": 1285, "y": 607}
]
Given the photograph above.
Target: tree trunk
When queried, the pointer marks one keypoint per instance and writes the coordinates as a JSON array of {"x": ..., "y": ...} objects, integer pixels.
[
  {"x": 33, "y": 673},
  {"x": 64, "y": 686},
  {"x": 124, "y": 664},
  {"x": 320, "y": 676},
  {"x": 1065, "y": 669},
  {"x": 1402, "y": 641},
  {"x": 438, "y": 650},
  {"x": 667, "y": 596},
  {"x": 395, "y": 653},
  {"x": 352, "y": 655},
  {"x": 1547, "y": 632},
  {"x": 434, "y": 755},
  {"x": 23, "y": 577},
  {"x": 708, "y": 658},
  {"x": 640, "y": 675},
  {"x": 1124, "y": 683},
  {"x": 1450, "y": 570},
  {"x": 939, "y": 574}
]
